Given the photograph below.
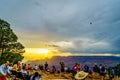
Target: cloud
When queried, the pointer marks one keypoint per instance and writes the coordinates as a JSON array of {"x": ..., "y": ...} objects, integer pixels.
[{"x": 65, "y": 24}]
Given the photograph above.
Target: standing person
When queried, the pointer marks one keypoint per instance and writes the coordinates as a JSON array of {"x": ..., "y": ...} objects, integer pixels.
[
  {"x": 62, "y": 66},
  {"x": 4, "y": 69},
  {"x": 79, "y": 67},
  {"x": 100, "y": 67},
  {"x": 111, "y": 73},
  {"x": 46, "y": 65},
  {"x": 86, "y": 68},
  {"x": 41, "y": 67},
  {"x": 75, "y": 69},
  {"x": 19, "y": 64},
  {"x": 96, "y": 69},
  {"x": 29, "y": 67}
]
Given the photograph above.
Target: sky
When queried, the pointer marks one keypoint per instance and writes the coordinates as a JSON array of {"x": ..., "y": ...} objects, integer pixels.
[{"x": 67, "y": 26}]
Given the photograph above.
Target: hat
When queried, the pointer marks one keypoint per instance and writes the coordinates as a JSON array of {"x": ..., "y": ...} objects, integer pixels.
[{"x": 81, "y": 75}]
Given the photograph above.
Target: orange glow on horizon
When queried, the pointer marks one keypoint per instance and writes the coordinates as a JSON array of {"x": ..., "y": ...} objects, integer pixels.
[
  {"x": 37, "y": 54},
  {"x": 32, "y": 54}
]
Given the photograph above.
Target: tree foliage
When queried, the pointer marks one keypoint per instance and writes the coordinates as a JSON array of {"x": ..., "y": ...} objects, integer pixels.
[{"x": 10, "y": 48}]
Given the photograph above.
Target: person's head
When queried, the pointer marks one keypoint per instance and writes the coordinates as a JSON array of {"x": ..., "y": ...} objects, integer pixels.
[
  {"x": 7, "y": 63},
  {"x": 100, "y": 64},
  {"x": 10, "y": 64},
  {"x": 36, "y": 74},
  {"x": 79, "y": 64},
  {"x": 53, "y": 66},
  {"x": 18, "y": 61},
  {"x": 76, "y": 64},
  {"x": 23, "y": 68}
]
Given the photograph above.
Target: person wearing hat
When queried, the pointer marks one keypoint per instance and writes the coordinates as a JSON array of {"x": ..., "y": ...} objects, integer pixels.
[
  {"x": 4, "y": 69},
  {"x": 81, "y": 75}
]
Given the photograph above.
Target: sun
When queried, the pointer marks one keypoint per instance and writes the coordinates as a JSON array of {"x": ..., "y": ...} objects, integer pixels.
[
  {"x": 42, "y": 51},
  {"x": 32, "y": 54}
]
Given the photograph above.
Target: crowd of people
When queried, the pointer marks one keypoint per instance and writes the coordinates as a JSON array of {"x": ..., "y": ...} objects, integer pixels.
[{"x": 28, "y": 72}]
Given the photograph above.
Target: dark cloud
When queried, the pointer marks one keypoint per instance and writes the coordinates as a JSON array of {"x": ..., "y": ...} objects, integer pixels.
[
  {"x": 67, "y": 20},
  {"x": 56, "y": 46}
]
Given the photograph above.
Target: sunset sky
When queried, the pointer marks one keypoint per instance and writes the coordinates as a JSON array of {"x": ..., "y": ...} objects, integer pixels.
[{"x": 65, "y": 26}]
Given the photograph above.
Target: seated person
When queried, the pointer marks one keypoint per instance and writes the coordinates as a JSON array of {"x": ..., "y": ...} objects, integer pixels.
[
  {"x": 35, "y": 67},
  {"x": 36, "y": 76},
  {"x": 4, "y": 69},
  {"x": 53, "y": 69},
  {"x": 15, "y": 67},
  {"x": 23, "y": 71}
]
